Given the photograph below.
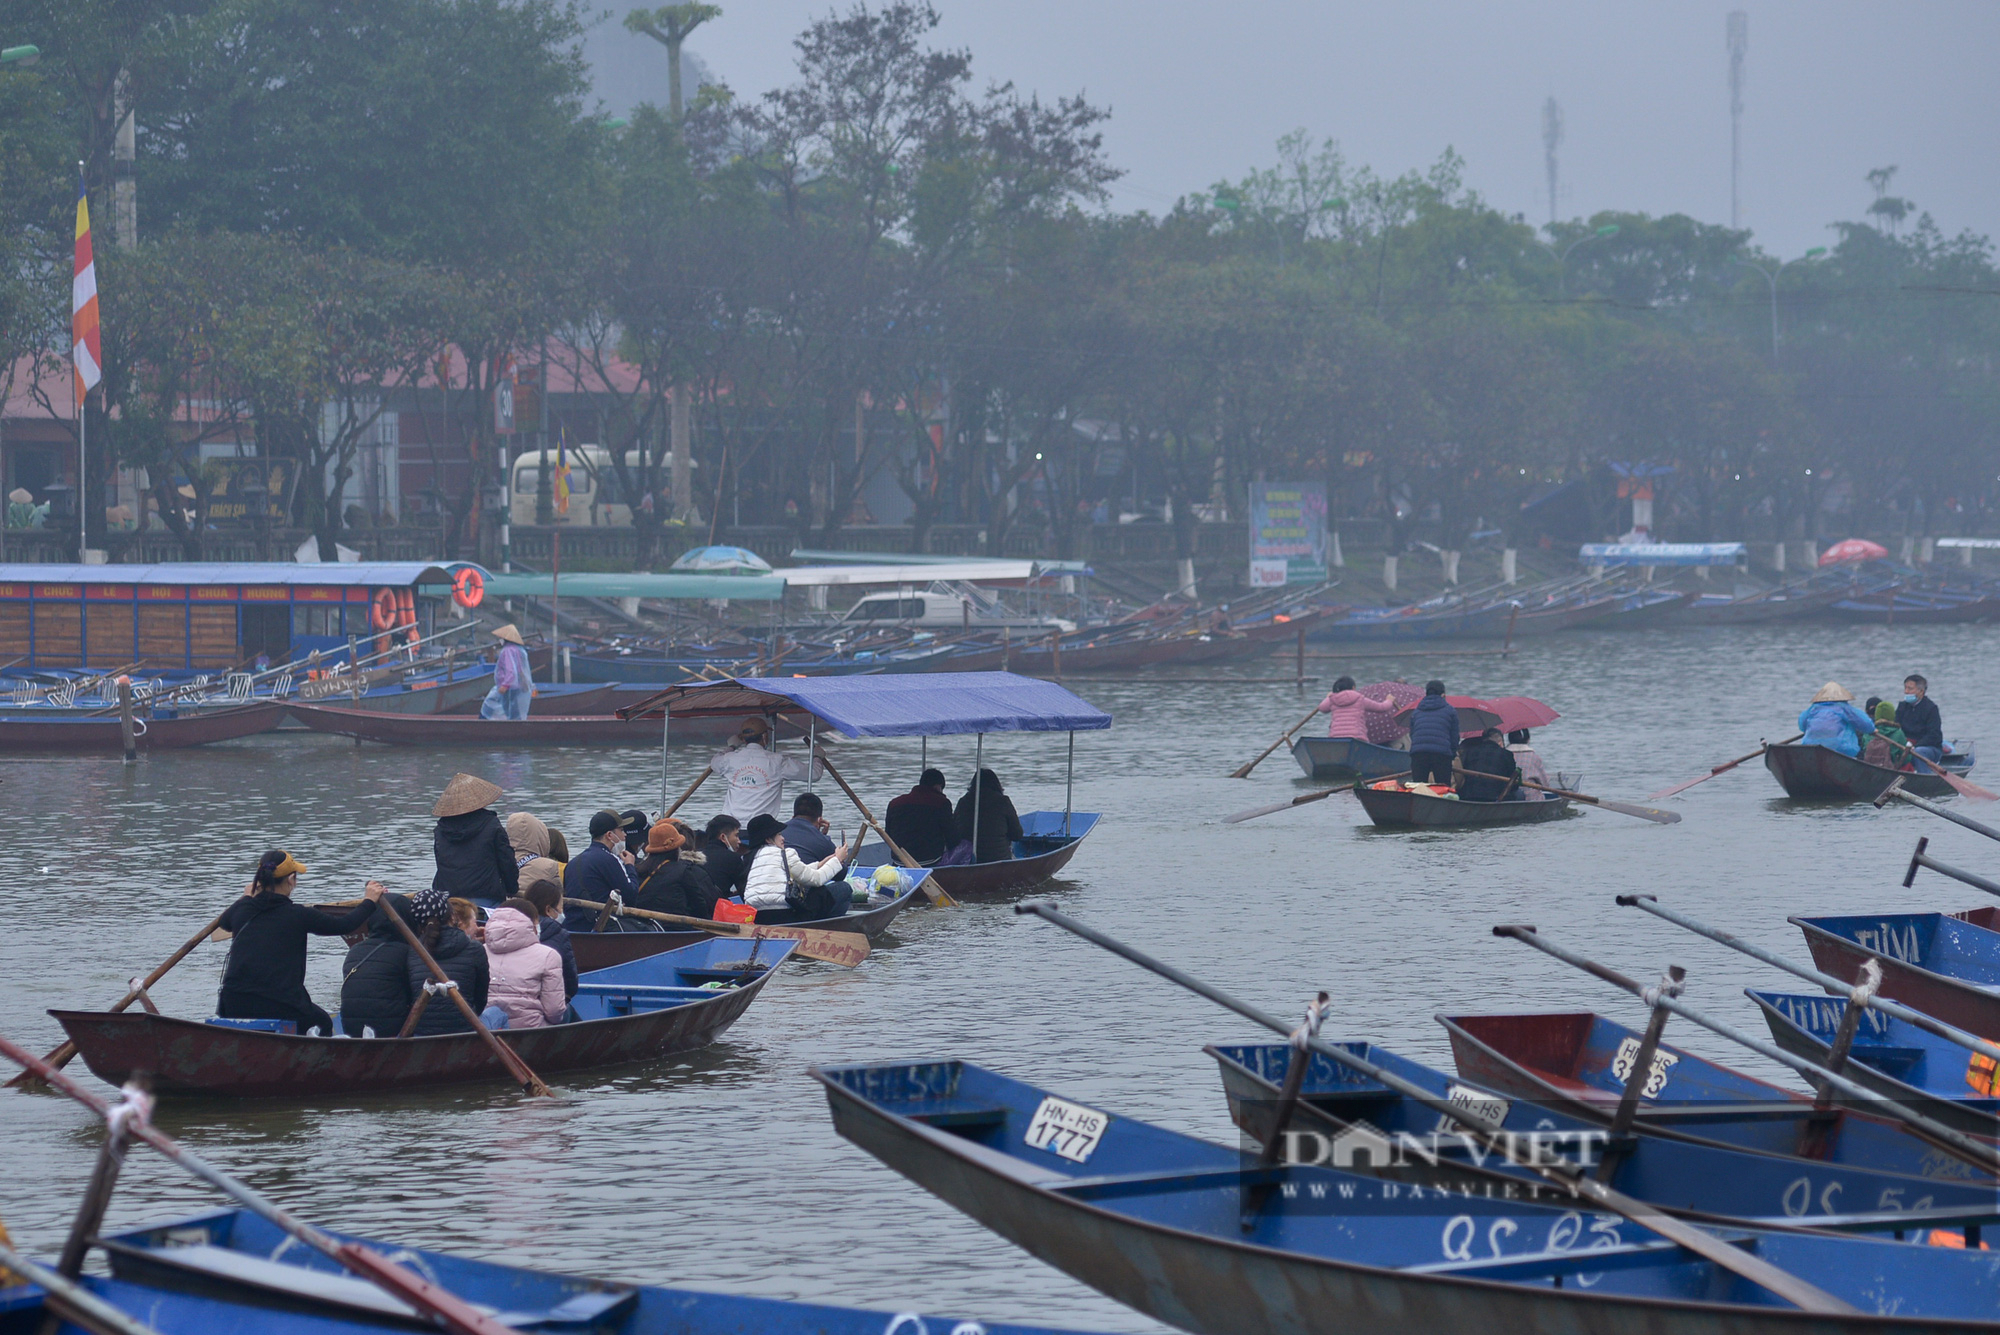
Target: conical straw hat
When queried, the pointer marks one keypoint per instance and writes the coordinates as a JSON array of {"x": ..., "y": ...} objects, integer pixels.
[
  {"x": 465, "y": 793},
  {"x": 508, "y": 633},
  {"x": 1833, "y": 690}
]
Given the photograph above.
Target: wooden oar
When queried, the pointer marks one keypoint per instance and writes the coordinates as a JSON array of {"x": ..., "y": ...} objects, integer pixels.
[
  {"x": 1721, "y": 769},
  {"x": 65, "y": 1052},
  {"x": 530, "y": 1082},
  {"x": 700, "y": 779},
  {"x": 815, "y": 943},
  {"x": 1283, "y": 737},
  {"x": 1963, "y": 787},
  {"x": 1652, "y": 814},
  {"x": 1303, "y": 798},
  {"x": 1710, "y": 1247},
  {"x": 934, "y": 893}
]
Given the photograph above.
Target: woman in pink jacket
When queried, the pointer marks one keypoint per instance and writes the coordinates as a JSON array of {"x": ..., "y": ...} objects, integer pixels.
[
  {"x": 526, "y": 976},
  {"x": 1349, "y": 710}
]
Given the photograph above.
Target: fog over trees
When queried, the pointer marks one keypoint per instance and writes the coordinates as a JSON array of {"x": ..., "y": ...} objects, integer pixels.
[{"x": 336, "y": 194}]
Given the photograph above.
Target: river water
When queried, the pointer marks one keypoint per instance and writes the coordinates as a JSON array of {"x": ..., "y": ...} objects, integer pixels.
[{"x": 720, "y": 1170}]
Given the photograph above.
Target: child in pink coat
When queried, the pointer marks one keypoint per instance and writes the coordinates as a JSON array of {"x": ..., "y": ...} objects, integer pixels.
[
  {"x": 526, "y": 976},
  {"x": 1348, "y": 710}
]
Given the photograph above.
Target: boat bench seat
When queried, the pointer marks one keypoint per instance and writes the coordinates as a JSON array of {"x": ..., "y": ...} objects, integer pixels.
[
  {"x": 626, "y": 998},
  {"x": 963, "y": 1117}
]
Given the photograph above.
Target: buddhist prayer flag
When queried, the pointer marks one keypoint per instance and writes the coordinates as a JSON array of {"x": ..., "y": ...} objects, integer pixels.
[
  {"x": 88, "y": 351},
  {"x": 560, "y": 487}
]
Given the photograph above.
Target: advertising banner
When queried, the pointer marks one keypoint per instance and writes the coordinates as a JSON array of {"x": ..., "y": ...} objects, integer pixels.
[{"x": 1287, "y": 534}]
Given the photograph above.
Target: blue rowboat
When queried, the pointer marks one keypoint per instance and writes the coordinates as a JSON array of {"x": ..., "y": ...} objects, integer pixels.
[
  {"x": 1345, "y": 759},
  {"x": 1932, "y": 962},
  {"x": 231, "y": 1273},
  {"x": 1365, "y": 1122},
  {"x": 1575, "y": 1062},
  {"x": 641, "y": 1011},
  {"x": 1049, "y": 840},
  {"x": 1893, "y": 1057},
  {"x": 1157, "y": 1220}
]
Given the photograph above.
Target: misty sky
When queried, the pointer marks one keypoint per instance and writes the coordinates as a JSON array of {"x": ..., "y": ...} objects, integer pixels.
[{"x": 1202, "y": 91}]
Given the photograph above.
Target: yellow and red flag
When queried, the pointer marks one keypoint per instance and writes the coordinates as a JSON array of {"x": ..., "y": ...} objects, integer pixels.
[
  {"x": 560, "y": 489},
  {"x": 87, "y": 351}
]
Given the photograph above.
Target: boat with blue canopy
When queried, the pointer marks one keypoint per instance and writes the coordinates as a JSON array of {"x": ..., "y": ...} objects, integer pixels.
[
  {"x": 1938, "y": 963},
  {"x": 1893, "y": 1057},
  {"x": 1202, "y": 1237},
  {"x": 1578, "y": 1063},
  {"x": 1368, "y": 1127},
  {"x": 922, "y": 706},
  {"x": 232, "y": 1273}
]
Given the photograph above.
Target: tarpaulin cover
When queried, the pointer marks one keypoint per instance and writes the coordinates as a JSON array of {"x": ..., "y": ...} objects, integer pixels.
[
  {"x": 1663, "y": 553},
  {"x": 900, "y": 706},
  {"x": 638, "y": 584}
]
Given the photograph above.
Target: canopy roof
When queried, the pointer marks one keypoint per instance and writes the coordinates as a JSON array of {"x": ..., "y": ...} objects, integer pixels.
[
  {"x": 893, "y": 706},
  {"x": 390, "y": 574},
  {"x": 638, "y": 584},
  {"x": 1664, "y": 553}
]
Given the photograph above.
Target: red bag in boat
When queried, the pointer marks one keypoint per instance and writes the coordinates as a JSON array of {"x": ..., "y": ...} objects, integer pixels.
[{"x": 728, "y": 912}]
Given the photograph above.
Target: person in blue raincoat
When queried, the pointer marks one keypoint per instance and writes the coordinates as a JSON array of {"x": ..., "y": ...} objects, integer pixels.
[
  {"x": 513, "y": 680},
  {"x": 1832, "y": 721}
]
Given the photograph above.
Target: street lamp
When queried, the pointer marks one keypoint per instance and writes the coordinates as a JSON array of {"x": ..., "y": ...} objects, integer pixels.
[
  {"x": 20, "y": 55},
  {"x": 1771, "y": 277},
  {"x": 1562, "y": 256}
]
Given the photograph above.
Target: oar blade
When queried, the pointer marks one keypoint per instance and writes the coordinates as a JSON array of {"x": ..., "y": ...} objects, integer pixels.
[
  {"x": 1653, "y": 814},
  {"x": 1275, "y": 807}
]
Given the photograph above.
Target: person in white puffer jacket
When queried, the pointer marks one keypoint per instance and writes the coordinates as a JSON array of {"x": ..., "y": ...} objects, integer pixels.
[
  {"x": 526, "y": 977},
  {"x": 769, "y": 878}
]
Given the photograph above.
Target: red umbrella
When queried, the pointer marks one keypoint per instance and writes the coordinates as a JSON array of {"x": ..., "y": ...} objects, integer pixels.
[
  {"x": 1385, "y": 728},
  {"x": 1520, "y": 711},
  {"x": 1853, "y": 549}
]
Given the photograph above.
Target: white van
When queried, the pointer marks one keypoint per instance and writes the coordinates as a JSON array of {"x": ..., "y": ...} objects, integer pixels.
[
  {"x": 944, "y": 606},
  {"x": 594, "y": 498}
]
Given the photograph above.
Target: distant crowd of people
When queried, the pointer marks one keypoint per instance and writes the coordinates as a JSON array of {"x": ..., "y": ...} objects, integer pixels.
[{"x": 506, "y": 896}]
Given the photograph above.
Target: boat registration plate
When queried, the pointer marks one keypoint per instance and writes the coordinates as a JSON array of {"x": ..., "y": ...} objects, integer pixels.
[{"x": 1066, "y": 1129}]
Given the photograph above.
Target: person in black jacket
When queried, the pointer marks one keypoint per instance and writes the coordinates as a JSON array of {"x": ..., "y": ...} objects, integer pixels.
[
  {"x": 999, "y": 825},
  {"x": 1918, "y": 717},
  {"x": 722, "y": 845},
  {"x": 462, "y": 959},
  {"x": 670, "y": 883},
  {"x": 265, "y": 978},
  {"x": 1433, "y": 737},
  {"x": 597, "y": 871},
  {"x": 474, "y": 858},
  {"x": 920, "y": 820},
  {"x": 1487, "y": 754},
  {"x": 375, "y": 980}
]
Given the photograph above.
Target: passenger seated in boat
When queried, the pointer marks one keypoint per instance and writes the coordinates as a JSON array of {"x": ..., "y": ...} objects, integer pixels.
[
  {"x": 526, "y": 977},
  {"x": 1832, "y": 721},
  {"x": 547, "y": 897},
  {"x": 1488, "y": 769},
  {"x": 1919, "y": 719},
  {"x": 805, "y": 832},
  {"x": 776, "y": 869},
  {"x": 636, "y": 825},
  {"x": 1520, "y": 742},
  {"x": 465, "y": 917},
  {"x": 599, "y": 871},
  {"x": 999, "y": 824},
  {"x": 920, "y": 820},
  {"x": 375, "y": 978},
  {"x": 1887, "y": 747},
  {"x": 673, "y": 877},
  {"x": 722, "y": 845},
  {"x": 265, "y": 978},
  {"x": 462, "y": 959},
  {"x": 530, "y": 838},
  {"x": 1347, "y": 710}
]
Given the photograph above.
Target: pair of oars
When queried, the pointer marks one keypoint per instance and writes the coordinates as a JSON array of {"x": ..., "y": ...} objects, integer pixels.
[{"x": 1652, "y": 814}]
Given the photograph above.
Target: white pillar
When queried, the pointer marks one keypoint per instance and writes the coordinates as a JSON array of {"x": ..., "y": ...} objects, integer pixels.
[
  {"x": 1450, "y": 561},
  {"x": 1778, "y": 558},
  {"x": 1812, "y": 554},
  {"x": 1965, "y": 557},
  {"x": 680, "y": 429},
  {"x": 1339, "y": 560},
  {"x": 1646, "y": 574},
  {"x": 1909, "y": 550},
  {"x": 1389, "y": 573},
  {"x": 1185, "y": 572},
  {"x": 1701, "y": 572},
  {"x": 1508, "y": 568},
  {"x": 1930, "y": 550},
  {"x": 816, "y": 596}
]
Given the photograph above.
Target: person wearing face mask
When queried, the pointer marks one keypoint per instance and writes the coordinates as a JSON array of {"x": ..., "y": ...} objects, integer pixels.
[{"x": 1919, "y": 719}]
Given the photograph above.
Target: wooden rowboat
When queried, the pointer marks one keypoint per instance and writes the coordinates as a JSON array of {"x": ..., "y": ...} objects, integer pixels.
[
  {"x": 1345, "y": 759},
  {"x": 1576, "y": 1063},
  {"x": 567, "y": 701},
  {"x": 601, "y": 950},
  {"x": 1037, "y": 858},
  {"x": 1824, "y": 774},
  {"x": 463, "y": 730},
  {"x": 1933, "y": 962},
  {"x": 1401, "y": 809},
  {"x": 1166, "y": 1223},
  {"x": 162, "y": 732},
  {"x": 642, "y": 1011},
  {"x": 229, "y": 1272}
]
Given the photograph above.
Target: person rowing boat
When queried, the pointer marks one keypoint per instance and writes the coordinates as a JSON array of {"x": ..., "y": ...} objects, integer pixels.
[{"x": 265, "y": 978}]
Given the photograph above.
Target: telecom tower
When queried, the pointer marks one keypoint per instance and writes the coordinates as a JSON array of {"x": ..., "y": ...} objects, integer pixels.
[
  {"x": 1552, "y": 137},
  {"x": 1739, "y": 47}
]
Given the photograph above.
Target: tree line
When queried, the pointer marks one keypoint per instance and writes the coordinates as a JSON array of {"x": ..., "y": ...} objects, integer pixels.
[{"x": 338, "y": 195}]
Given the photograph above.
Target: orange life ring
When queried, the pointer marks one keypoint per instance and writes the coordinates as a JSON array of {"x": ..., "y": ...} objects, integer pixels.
[
  {"x": 383, "y": 615},
  {"x": 406, "y": 611},
  {"x": 468, "y": 587}
]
